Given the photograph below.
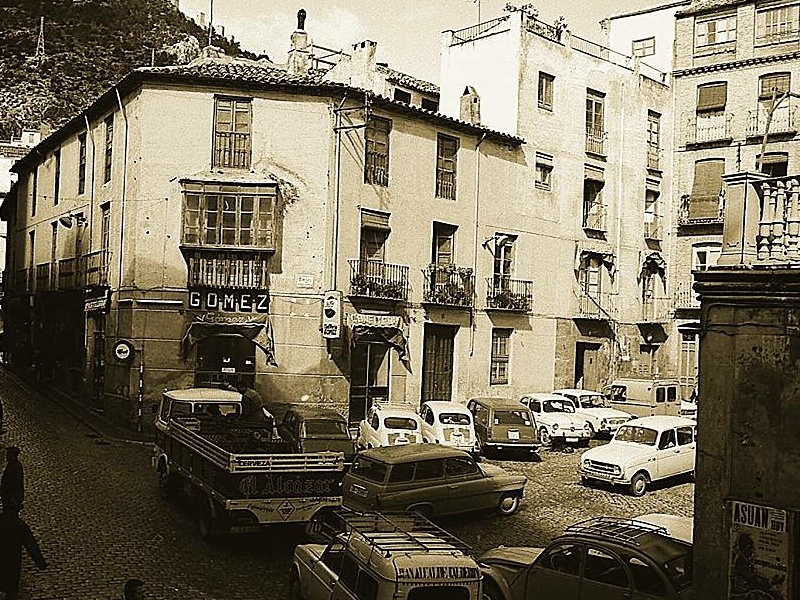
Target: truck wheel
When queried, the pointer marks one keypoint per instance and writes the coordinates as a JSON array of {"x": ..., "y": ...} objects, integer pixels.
[
  {"x": 508, "y": 504},
  {"x": 639, "y": 484},
  {"x": 206, "y": 523}
]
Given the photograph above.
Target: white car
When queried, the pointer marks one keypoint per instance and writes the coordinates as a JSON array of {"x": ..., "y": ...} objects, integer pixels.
[
  {"x": 389, "y": 426},
  {"x": 448, "y": 423},
  {"x": 556, "y": 418},
  {"x": 594, "y": 407},
  {"x": 642, "y": 451}
]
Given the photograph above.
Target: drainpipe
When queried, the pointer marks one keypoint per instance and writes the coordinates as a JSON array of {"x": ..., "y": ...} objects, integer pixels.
[
  {"x": 89, "y": 134},
  {"x": 337, "y": 126},
  {"x": 619, "y": 197},
  {"x": 475, "y": 239},
  {"x": 124, "y": 188}
]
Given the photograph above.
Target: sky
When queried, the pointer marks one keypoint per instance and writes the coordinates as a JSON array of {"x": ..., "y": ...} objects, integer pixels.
[{"x": 407, "y": 32}]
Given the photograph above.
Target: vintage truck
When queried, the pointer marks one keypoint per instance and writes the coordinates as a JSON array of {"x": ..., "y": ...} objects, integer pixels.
[{"x": 239, "y": 474}]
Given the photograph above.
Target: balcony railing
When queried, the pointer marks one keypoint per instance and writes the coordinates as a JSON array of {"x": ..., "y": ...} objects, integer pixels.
[
  {"x": 446, "y": 185},
  {"x": 43, "y": 277},
  {"x": 596, "y": 305},
  {"x": 377, "y": 279},
  {"x": 232, "y": 149},
  {"x": 685, "y": 296},
  {"x": 713, "y": 127},
  {"x": 655, "y": 309},
  {"x": 449, "y": 285},
  {"x": 686, "y": 216},
  {"x": 652, "y": 227},
  {"x": 595, "y": 141},
  {"x": 504, "y": 293},
  {"x": 778, "y": 237},
  {"x": 227, "y": 270},
  {"x": 783, "y": 120},
  {"x": 376, "y": 169},
  {"x": 653, "y": 153},
  {"x": 594, "y": 216}
]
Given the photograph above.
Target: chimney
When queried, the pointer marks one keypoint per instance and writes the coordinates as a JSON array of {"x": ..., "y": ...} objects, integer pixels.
[
  {"x": 363, "y": 59},
  {"x": 300, "y": 54},
  {"x": 470, "y": 106}
]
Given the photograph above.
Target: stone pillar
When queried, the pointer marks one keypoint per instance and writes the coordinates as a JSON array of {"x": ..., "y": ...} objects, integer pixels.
[
  {"x": 748, "y": 446},
  {"x": 742, "y": 213}
]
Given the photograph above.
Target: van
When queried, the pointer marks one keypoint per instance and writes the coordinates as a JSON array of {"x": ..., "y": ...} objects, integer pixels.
[{"x": 645, "y": 397}]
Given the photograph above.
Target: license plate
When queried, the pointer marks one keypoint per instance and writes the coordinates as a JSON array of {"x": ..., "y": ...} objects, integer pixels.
[
  {"x": 456, "y": 436},
  {"x": 513, "y": 435},
  {"x": 571, "y": 439},
  {"x": 358, "y": 490},
  {"x": 400, "y": 441}
]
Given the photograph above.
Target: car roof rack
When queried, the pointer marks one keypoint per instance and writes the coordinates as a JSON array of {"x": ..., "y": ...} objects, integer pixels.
[
  {"x": 397, "y": 532},
  {"x": 628, "y": 531}
]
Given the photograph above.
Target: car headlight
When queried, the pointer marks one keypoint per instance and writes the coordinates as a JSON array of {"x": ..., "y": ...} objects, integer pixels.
[
  {"x": 603, "y": 424},
  {"x": 555, "y": 426},
  {"x": 617, "y": 470}
]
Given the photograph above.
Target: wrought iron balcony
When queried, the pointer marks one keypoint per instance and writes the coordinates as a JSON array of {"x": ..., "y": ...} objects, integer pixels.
[
  {"x": 449, "y": 285},
  {"x": 652, "y": 227},
  {"x": 376, "y": 169},
  {"x": 377, "y": 279},
  {"x": 688, "y": 217},
  {"x": 231, "y": 149},
  {"x": 783, "y": 120},
  {"x": 594, "y": 216},
  {"x": 599, "y": 306},
  {"x": 221, "y": 269},
  {"x": 712, "y": 127},
  {"x": 595, "y": 141},
  {"x": 685, "y": 297},
  {"x": 655, "y": 310},
  {"x": 505, "y": 293},
  {"x": 93, "y": 268}
]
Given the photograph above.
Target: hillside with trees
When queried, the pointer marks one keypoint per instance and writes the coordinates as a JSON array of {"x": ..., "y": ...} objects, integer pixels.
[{"x": 89, "y": 46}]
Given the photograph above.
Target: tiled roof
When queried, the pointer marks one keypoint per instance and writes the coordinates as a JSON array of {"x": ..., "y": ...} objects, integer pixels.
[
  {"x": 702, "y": 6},
  {"x": 248, "y": 71},
  {"x": 408, "y": 81}
]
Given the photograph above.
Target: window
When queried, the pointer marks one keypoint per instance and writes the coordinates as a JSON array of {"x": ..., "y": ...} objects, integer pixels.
[
  {"x": 667, "y": 439},
  {"x": 332, "y": 557},
  {"x": 501, "y": 349},
  {"x": 646, "y": 579},
  {"x": 446, "y": 153},
  {"x": 105, "y": 238},
  {"x": 32, "y": 244},
  {"x": 56, "y": 175},
  {"x": 376, "y": 142},
  {"x": 82, "y": 163},
  {"x": 219, "y": 215},
  {"x": 402, "y": 95},
  {"x": 594, "y": 121},
  {"x": 593, "y": 208},
  {"x": 430, "y": 104},
  {"x": 429, "y": 469},
  {"x": 54, "y": 243},
  {"x": 563, "y": 559},
  {"x": 653, "y": 139},
  {"x": 644, "y": 47},
  {"x": 711, "y": 97},
  {"x": 366, "y": 586},
  {"x": 504, "y": 246},
  {"x": 707, "y": 197},
  {"x": 773, "y": 83},
  {"x": 651, "y": 221},
  {"x": 34, "y": 189},
  {"x": 402, "y": 473},
  {"x": 349, "y": 573},
  {"x": 604, "y": 568},
  {"x": 457, "y": 467},
  {"x": 772, "y": 88},
  {"x": 589, "y": 276},
  {"x": 544, "y": 170},
  {"x": 109, "y": 148},
  {"x": 774, "y": 164},
  {"x": 685, "y": 436},
  {"x": 232, "y": 121},
  {"x": 777, "y": 24},
  {"x": 374, "y": 232},
  {"x": 715, "y": 31},
  {"x": 546, "y": 83},
  {"x": 443, "y": 243}
]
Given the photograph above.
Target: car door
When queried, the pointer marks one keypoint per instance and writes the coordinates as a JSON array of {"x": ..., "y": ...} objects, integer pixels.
[
  {"x": 324, "y": 573},
  {"x": 428, "y": 487},
  {"x": 428, "y": 424},
  {"x": 556, "y": 573},
  {"x": 605, "y": 577},
  {"x": 668, "y": 455},
  {"x": 467, "y": 487},
  {"x": 649, "y": 580},
  {"x": 687, "y": 447}
]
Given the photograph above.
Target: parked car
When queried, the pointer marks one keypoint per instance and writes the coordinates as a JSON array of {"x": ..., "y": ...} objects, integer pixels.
[
  {"x": 431, "y": 479},
  {"x": 642, "y": 451},
  {"x": 504, "y": 424},
  {"x": 448, "y": 423},
  {"x": 314, "y": 429},
  {"x": 645, "y": 397},
  {"x": 595, "y": 408},
  {"x": 389, "y": 426},
  {"x": 556, "y": 419},
  {"x": 603, "y": 557},
  {"x": 680, "y": 528},
  {"x": 385, "y": 557}
]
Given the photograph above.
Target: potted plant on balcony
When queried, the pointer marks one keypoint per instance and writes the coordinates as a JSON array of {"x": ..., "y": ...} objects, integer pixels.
[{"x": 509, "y": 300}]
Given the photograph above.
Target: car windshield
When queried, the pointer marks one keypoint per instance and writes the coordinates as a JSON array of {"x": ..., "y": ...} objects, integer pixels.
[
  {"x": 454, "y": 419},
  {"x": 554, "y": 406},
  {"x": 679, "y": 570},
  {"x": 400, "y": 423},
  {"x": 512, "y": 417},
  {"x": 591, "y": 401},
  {"x": 637, "y": 435},
  {"x": 325, "y": 428},
  {"x": 369, "y": 469}
]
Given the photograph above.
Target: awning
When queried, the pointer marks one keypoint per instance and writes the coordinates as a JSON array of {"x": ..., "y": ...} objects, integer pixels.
[
  {"x": 383, "y": 328},
  {"x": 606, "y": 257},
  {"x": 654, "y": 263},
  {"x": 256, "y": 328}
]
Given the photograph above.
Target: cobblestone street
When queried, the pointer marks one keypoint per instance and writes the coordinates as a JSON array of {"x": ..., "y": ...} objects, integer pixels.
[{"x": 93, "y": 504}]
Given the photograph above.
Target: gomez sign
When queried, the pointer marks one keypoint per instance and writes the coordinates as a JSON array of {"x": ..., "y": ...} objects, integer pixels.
[{"x": 230, "y": 300}]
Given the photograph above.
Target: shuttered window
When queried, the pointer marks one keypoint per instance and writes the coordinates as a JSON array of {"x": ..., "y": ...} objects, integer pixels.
[
  {"x": 376, "y": 161},
  {"x": 712, "y": 97},
  {"x": 777, "y": 82},
  {"x": 447, "y": 151},
  {"x": 704, "y": 202}
]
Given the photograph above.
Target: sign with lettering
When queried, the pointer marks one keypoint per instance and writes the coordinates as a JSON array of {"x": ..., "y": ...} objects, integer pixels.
[
  {"x": 332, "y": 315},
  {"x": 354, "y": 319},
  {"x": 269, "y": 485},
  {"x": 304, "y": 281},
  {"x": 759, "y": 552},
  {"x": 438, "y": 572},
  {"x": 97, "y": 300},
  {"x": 230, "y": 300}
]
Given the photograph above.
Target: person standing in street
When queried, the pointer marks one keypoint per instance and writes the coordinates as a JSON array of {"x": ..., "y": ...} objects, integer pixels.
[
  {"x": 14, "y": 535},
  {"x": 12, "y": 483}
]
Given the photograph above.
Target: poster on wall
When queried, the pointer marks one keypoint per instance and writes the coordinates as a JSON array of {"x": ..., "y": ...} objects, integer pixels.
[{"x": 760, "y": 543}]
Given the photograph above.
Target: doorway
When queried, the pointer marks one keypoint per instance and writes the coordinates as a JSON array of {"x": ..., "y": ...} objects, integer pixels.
[
  {"x": 587, "y": 366},
  {"x": 369, "y": 377},
  {"x": 225, "y": 358},
  {"x": 437, "y": 362}
]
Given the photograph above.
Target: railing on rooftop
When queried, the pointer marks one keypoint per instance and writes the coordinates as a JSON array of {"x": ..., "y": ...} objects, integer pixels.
[
  {"x": 601, "y": 52},
  {"x": 546, "y": 30},
  {"x": 469, "y": 34}
]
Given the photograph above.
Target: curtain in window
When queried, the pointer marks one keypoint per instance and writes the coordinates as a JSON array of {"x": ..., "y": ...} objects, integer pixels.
[{"x": 704, "y": 203}]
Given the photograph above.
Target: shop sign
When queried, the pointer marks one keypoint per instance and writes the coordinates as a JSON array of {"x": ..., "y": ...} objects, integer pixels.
[
  {"x": 332, "y": 315},
  {"x": 97, "y": 300},
  {"x": 760, "y": 543},
  {"x": 230, "y": 300},
  {"x": 371, "y": 320}
]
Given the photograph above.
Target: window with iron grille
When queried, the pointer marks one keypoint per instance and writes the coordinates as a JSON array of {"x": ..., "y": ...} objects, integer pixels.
[
  {"x": 778, "y": 24},
  {"x": 715, "y": 31},
  {"x": 241, "y": 216},
  {"x": 56, "y": 175},
  {"x": 653, "y": 139},
  {"x": 376, "y": 161},
  {"x": 82, "y": 163},
  {"x": 595, "y": 122},
  {"x": 232, "y": 124},
  {"x": 546, "y": 83},
  {"x": 644, "y": 47},
  {"x": 501, "y": 353},
  {"x": 109, "y": 148},
  {"x": 446, "y": 154}
]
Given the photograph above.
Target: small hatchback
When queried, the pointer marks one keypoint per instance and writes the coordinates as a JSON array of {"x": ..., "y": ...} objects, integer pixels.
[
  {"x": 311, "y": 429},
  {"x": 429, "y": 479},
  {"x": 504, "y": 425},
  {"x": 389, "y": 426},
  {"x": 596, "y": 409},
  {"x": 449, "y": 424},
  {"x": 556, "y": 419}
]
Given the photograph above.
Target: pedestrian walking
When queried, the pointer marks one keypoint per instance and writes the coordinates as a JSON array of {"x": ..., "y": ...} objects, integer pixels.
[
  {"x": 134, "y": 589},
  {"x": 14, "y": 535},
  {"x": 12, "y": 483}
]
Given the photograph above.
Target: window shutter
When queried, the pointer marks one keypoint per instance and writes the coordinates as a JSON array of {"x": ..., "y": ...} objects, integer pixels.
[
  {"x": 712, "y": 97},
  {"x": 780, "y": 81},
  {"x": 704, "y": 203}
]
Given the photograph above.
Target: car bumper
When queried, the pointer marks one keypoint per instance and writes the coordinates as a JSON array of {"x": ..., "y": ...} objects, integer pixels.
[
  {"x": 607, "y": 477},
  {"x": 570, "y": 436},
  {"x": 512, "y": 445}
]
